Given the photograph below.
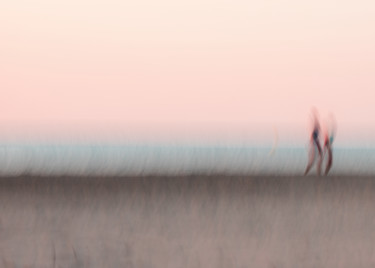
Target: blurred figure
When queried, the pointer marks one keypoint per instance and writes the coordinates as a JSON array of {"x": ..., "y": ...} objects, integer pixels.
[
  {"x": 329, "y": 135},
  {"x": 314, "y": 143}
]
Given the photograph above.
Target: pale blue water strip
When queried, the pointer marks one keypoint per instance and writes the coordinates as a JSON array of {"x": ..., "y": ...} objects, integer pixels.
[{"x": 144, "y": 160}]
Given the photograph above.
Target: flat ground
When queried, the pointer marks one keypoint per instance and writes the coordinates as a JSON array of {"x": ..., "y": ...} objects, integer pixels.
[{"x": 187, "y": 222}]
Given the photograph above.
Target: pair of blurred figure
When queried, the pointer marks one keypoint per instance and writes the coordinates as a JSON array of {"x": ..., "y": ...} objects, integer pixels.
[{"x": 329, "y": 132}]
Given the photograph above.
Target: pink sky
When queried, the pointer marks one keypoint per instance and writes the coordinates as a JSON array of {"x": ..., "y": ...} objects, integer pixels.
[{"x": 185, "y": 67}]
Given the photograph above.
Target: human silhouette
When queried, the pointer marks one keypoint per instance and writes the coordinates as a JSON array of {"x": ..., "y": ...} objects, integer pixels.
[
  {"x": 329, "y": 135},
  {"x": 314, "y": 143}
]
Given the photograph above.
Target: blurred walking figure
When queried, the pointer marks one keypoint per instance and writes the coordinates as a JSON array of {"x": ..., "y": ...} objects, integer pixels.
[
  {"x": 329, "y": 135},
  {"x": 315, "y": 144}
]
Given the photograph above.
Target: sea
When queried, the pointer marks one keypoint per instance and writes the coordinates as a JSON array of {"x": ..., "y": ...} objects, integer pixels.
[{"x": 137, "y": 160}]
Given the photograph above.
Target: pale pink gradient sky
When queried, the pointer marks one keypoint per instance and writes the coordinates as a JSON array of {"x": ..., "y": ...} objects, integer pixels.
[{"x": 168, "y": 66}]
